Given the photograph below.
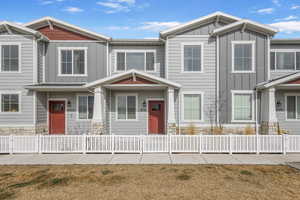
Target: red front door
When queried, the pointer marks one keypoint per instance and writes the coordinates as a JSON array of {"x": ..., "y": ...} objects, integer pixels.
[
  {"x": 156, "y": 120},
  {"x": 57, "y": 117}
]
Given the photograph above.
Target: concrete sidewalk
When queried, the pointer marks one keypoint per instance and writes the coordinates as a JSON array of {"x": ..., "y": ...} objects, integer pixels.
[{"x": 70, "y": 159}]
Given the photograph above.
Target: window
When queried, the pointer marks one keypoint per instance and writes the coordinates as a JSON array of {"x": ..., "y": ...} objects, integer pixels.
[
  {"x": 192, "y": 57},
  {"x": 243, "y": 56},
  {"x": 192, "y": 107},
  {"x": 10, "y": 58},
  {"x": 85, "y": 107},
  {"x": 285, "y": 60},
  {"x": 139, "y": 60},
  {"x": 242, "y": 105},
  {"x": 10, "y": 103},
  {"x": 73, "y": 61},
  {"x": 293, "y": 107},
  {"x": 126, "y": 107}
]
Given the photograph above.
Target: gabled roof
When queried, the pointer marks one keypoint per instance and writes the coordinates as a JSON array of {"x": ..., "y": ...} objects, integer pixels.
[
  {"x": 279, "y": 80},
  {"x": 47, "y": 20},
  {"x": 245, "y": 24},
  {"x": 7, "y": 25},
  {"x": 133, "y": 73},
  {"x": 201, "y": 20}
]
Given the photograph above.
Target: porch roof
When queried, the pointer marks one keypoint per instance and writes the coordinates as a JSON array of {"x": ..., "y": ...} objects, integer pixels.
[
  {"x": 50, "y": 87},
  {"x": 290, "y": 81},
  {"x": 158, "y": 82}
]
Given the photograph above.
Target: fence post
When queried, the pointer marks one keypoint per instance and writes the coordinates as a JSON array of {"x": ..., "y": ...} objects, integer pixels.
[
  {"x": 230, "y": 144},
  {"x": 284, "y": 143},
  {"x": 170, "y": 144},
  {"x": 200, "y": 143},
  {"x": 141, "y": 143},
  {"x": 112, "y": 144},
  {"x": 84, "y": 145},
  {"x": 11, "y": 144},
  {"x": 257, "y": 144},
  {"x": 39, "y": 143}
]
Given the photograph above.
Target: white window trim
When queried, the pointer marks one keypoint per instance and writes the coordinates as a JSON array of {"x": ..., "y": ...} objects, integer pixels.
[
  {"x": 72, "y": 48},
  {"x": 233, "y": 92},
  {"x": 136, "y": 106},
  {"x": 77, "y": 106},
  {"x": 233, "y": 43},
  {"x": 201, "y": 44},
  {"x": 285, "y": 98},
  {"x": 284, "y": 51},
  {"x": 20, "y": 57},
  {"x": 202, "y": 106},
  {"x": 134, "y": 51},
  {"x": 19, "y": 93}
]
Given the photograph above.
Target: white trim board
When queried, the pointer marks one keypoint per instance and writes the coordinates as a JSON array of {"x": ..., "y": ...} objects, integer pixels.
[
  {"x": 233, "y": 43},
  {"x": 136, "y": 106},
  {"x": 201, "y": 44},
  {"x": 19, "y": 57},
  {"x": 19, "y": 93},
  {"x": 182, "y": 106},
  {"x": 233, "y": 92}
]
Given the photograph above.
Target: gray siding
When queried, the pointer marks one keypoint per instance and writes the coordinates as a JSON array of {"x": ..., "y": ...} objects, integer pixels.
[
  {"x": 275, "y": 74},
  {"x": 16, "y": 82},
  {"x": 40, "y": 61},
  {"x": 96, "y": 61},
  {"x": 198, "y": 82},
  {"x": 41, "y": 108},
  {"x": 240, "y": 81},
  {"x": 132, "y": 127},
  {"x": 293, "y": 127},
  {"x": 159, "y": 62}
]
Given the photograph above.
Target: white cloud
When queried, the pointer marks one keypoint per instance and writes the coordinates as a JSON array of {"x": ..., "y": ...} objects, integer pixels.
[
  {"x": 73, "y": 10},
  {"x": 47, "y": 2},
  {"x": 276, "y": 2},
  {"x": 158, "y": 26},
  {"x": 295, "y": 7},
  {"x": 291, "y": 17},
  {"x": 114, "y": 7},
  {"x": 117, "y": 28},
  {"x": 265, "y": 11},
  {"x": 124, "y": 1},
  {"x": 287, "y": 27}
]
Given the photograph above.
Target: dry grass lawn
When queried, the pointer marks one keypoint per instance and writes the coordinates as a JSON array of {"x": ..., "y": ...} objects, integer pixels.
[{"x": 138, "y": 182}]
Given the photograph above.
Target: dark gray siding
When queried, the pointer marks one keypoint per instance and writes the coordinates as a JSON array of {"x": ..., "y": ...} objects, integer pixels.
[
  {"x": 275, "y": 74},
  {"x": 96, "y": 61},
  {"x": 240, "y": 81},
  {"x": 40, "y": 61},
  {"x": 41, "y": 105},
  {"x": 159, "y": 62}
]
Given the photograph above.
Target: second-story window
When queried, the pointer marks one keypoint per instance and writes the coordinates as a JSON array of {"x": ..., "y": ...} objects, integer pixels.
[
  {"x": 10, "y": 60},
  {"x": 73, "y": 61},
  {"x": 285, "y": 60},
  {"x": 243, "y": 56},
  {"x": 139, "y": 60},
  {"x": 192, "y": 57}
]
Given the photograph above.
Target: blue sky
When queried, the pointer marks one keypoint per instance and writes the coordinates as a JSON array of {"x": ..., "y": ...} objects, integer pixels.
[{"x": 145, "y": 18}]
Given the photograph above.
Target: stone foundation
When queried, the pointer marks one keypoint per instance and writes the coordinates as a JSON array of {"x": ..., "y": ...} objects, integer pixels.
[
  {"x": 269, "y": 128},
  {"x": 17, "y": 130},
  {"x": 97, "y": 128},
  {"x": 172, "y": 129},
  {"x": 41, "y": 129}
]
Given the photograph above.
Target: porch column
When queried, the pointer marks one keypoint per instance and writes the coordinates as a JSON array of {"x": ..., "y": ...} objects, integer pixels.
[
  {"x": 171, "y": 112},
  {"x": 270, "y": 124},
  {"x": 97, "y": 122}
]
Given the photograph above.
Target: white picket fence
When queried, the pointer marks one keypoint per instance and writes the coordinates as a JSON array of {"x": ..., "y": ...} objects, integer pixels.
[{"x": 150, "y": 144}]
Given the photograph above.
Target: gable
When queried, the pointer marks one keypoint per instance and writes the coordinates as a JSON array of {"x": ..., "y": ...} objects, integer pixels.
[
  {"x": 131, "y": 81},
  {"x": 57, "y": 33},
  {"x": 204, "y": 29}
]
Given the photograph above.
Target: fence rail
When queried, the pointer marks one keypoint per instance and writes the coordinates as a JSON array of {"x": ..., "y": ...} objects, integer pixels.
[{"x": 150, "y": 144}]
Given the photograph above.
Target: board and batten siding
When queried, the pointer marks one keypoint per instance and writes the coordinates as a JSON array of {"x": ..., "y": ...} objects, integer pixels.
[
  {"x": 239, "y": 81},
  {"x": 96, "y": 62},
  {"x": 198, "y": 82},
  {"x": 279, "y": 73},
  {"x": 41, "y": 107},
  {"x": 15, "y": 82},
  {"x": 135, "y": 127},
  {"x": 205, "y": 29},
  {"x": 159, "y": 57}
]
